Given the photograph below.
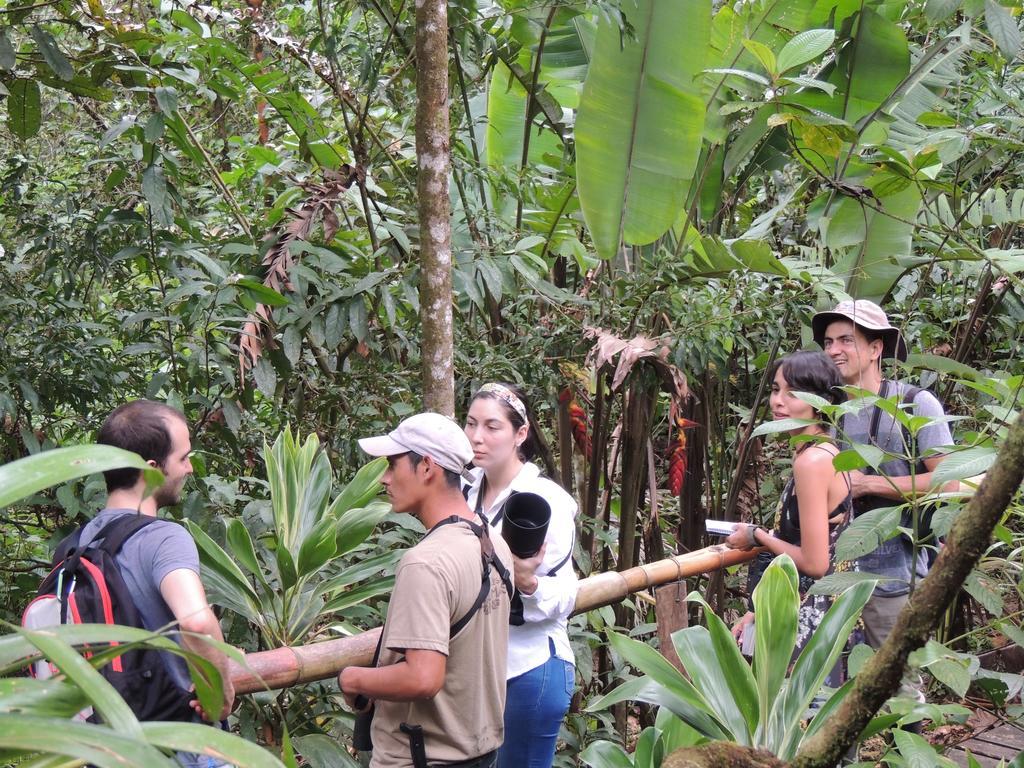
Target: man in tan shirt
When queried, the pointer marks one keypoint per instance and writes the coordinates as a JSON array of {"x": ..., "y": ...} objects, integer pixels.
[{"x": 439, "y": 684}]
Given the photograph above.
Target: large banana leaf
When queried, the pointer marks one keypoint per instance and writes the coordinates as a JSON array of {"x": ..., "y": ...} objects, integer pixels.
[
  {"x": 506, "y": 120},
  {"x": 640, "y": 121}
]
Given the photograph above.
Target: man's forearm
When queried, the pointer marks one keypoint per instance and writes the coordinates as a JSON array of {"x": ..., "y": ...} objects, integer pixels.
[
  {"x": 403, "y": 681},
  {"x": 898, "y": 488},
  {"x": 192, "y": 640}
]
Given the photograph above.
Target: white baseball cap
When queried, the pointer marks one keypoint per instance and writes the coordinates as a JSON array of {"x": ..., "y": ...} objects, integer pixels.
[{"x": 428, "y": 434}]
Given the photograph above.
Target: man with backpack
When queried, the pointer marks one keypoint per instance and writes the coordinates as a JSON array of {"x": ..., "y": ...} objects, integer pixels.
[
  {"x": 158, "y": 561},
  {"x": 437, "y": 685},
  {"x": 857, "y": 336}
]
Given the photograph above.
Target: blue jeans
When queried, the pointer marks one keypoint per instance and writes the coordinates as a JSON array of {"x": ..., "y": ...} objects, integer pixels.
[
  {"x": 196, "y": 760},
  {"x": 535, "y": 704}
]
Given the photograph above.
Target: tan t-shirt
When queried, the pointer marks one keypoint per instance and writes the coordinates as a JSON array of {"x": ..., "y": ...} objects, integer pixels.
[{"x": 437, "y": 582}]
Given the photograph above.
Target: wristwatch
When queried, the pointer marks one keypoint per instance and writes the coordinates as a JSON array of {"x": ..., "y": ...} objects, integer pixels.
[{"x": 752, "y": 535}]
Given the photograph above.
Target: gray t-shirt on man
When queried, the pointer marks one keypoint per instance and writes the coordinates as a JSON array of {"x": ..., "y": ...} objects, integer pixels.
[
  {"x": 893, "y": 558},
  {"x": 145, "y": 559}
]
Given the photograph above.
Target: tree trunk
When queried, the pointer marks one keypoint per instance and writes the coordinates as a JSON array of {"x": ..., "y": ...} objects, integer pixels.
[
  {"x": 433, "y": 153},
  {"x": 966, "y": 543}
]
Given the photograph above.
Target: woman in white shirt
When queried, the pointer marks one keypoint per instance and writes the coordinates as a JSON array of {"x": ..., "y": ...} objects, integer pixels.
[{"x": 541, "y": 672}]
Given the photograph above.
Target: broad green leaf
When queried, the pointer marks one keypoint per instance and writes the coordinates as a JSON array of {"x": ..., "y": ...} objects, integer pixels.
[
  {"x": 24, "y": 110},
  {"x": 20, "y": 479},
  {"x": 938, "y": 10},
  {"x": 815, "y": 662},
  {"x": 154, "y": 189},
  {"x": 1003, "y": 27},
  {"x": 286, "y": 567},
  {"x": 867, "y": 532},
  {"x": 361, "y": 489},
  {"x": 8, "y": 59},
  {"x": 200, "y": 738},
  {"x": 506, "y": 121},
  {"x": 764, "y": 55},
  {"x": 242, "y": 548},
  {"x": 318, "y": 547},
  {"x": 942, "y": 364},
  {"x": 357, "y": 524},
  {"x": 348, "y": 598},
  {"x": 605, "y": 754},
  {"x": 837, "y": 583},
  {"x": 361, "y": 569},
  {"x": 215, "y": 559},
  {"x": 961, "y": 465},
  {"x": 641, "y": 116},
  {"x": 100, "y": 746},
  {"x": 776, "y": 602},
  {"x": 723, "y": 670},
  {"x": 805, "y": 47},
  {"x": 52, "y": 55},
  {"x": 323, "y": 751},
  {"x": 690, "y": 708},
  {"x": 262, "y": 293},
  {"x": 980, "y": 586},
  {"x": 781, "y": 425}
]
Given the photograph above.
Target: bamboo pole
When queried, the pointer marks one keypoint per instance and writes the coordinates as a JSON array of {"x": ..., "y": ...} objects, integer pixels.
[{"x": 284, "y": 667}]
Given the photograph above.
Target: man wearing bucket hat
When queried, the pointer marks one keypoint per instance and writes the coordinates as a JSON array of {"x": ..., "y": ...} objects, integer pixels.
[
  {"x": 438, "y": 682},
  {"x": 857, "y": 336}
]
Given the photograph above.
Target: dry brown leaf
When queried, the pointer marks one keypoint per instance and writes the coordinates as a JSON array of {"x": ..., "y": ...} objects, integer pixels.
[{"x": 278, "y": 261}]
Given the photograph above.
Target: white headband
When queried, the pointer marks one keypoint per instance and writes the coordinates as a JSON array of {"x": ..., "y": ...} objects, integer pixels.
[{"x": 508, "y": 396}]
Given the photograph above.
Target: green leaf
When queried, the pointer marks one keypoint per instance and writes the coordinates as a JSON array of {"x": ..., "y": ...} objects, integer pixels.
[
  {"x": 52, "y": 55},
  {"x": 837, "y": 583},
  {"x": 939, "y": 10},
  {"x": 961, "y": 465},
  {"x": 781, "y": 425},
  {"x": 202, "y": 739},
  {"x": 43, "y": 698},
  {"x": 506, "y": 120},
  {"x": 286, "y": 568},
  {"x": 154, "y": 189},
  {"x": 357, "y": 524},
  {"x": 640, "y": 121},
  {"x": 805, "y": 47},
  {"x": 101, "y": 694},
  {"x": 867, "y": 532},
  {"x": 714, "y": 663},
  {"x": 319, "y": 546},
  {"x": 1003, "y": 28},
  {"x": 361, "y": 594},
  {"x": 764, "y": 55},
  {"x": 24, "y": 108},
  {"x": 942, "y": 364},
  {"x": 776, "y": 602},
  {"x": 8, "y": 60},
  {"x": 361, "y": 489},
  {"x": 242, "y": 548},
  {"x": 980, "y": 587},
  {"x": 217, "y": 560},
  {"x": 323, "y": 751},
  {"x": 97, "y": 745},
  {"x": 605, "y": 754},
  {"x": 20, "y": 479}
]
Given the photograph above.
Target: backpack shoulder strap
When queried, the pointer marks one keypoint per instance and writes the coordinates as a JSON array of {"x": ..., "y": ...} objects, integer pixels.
[
  {"x": 568, "y": 555},
  {"x": 489, "y": 560},
  {"x": 117, "y": 532}
]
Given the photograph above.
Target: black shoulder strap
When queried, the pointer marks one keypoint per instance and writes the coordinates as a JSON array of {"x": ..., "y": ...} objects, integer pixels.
[
  {"x": 568, "y": 555},
  {"x": 117, "y": 532},
  {"x": 489, "y": 560}
]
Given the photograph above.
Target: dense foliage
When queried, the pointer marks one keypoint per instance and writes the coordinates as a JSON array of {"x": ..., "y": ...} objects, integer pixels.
[{"x": 215, "y": 204}]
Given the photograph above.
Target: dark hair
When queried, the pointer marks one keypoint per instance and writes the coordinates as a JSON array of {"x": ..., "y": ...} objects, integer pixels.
[
  {"x": 453, "y": 479},
  {"x": 814, "y": 373},
  {"x": 528, "y": 449},
  {"x": 141, "y": 427}
]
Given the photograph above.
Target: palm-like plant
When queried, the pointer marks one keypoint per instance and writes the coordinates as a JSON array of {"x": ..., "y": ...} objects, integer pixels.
[
  {"x": 722, "y": 696},
  {"x": 293, "y": 573}
]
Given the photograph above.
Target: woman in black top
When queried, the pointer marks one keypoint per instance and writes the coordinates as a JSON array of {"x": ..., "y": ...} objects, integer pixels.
[{"x": 815, "y": 504}]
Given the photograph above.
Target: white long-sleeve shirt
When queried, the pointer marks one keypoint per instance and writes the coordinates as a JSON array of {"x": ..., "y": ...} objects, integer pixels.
[{"x": 547, "y": 609}]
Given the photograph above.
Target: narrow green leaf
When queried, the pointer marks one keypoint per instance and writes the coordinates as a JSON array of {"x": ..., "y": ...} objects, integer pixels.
[
  {"x": 361, "y": 489},
  {"x": 357, "y": 524},
  {"x": 23, "y": 477},
  {"x": 223, "y": 745},
  {"x": 323, "y": 751},
  {"x": 805, "y": 47},
  {"x": 781, "y": 425},
  {"x": 605, "y": 754},
  {"x": 359, "y": 595},
  {"x": 24, "y": 108},
  {"x": 214, "y": 557},
  {"x": 776, "y": 601},
  {"x": 101, "y": 694},
  {"x": 1003, "y": 28},
  {"x": 319, "y": 546},
  {"x": 286, "y": 568},
  {"x": 97, "y": 745},
  {"x": 52, "y": 55},
  {"x": 41, "y": 698},
  {"x": 837, "y": 583},
  {"x": 262, "y": 293}
]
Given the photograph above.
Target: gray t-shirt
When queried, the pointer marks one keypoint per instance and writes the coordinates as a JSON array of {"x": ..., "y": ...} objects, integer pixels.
[
  {"x": 145, "y": 559},
  {"x": 893, "y": 557}
]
